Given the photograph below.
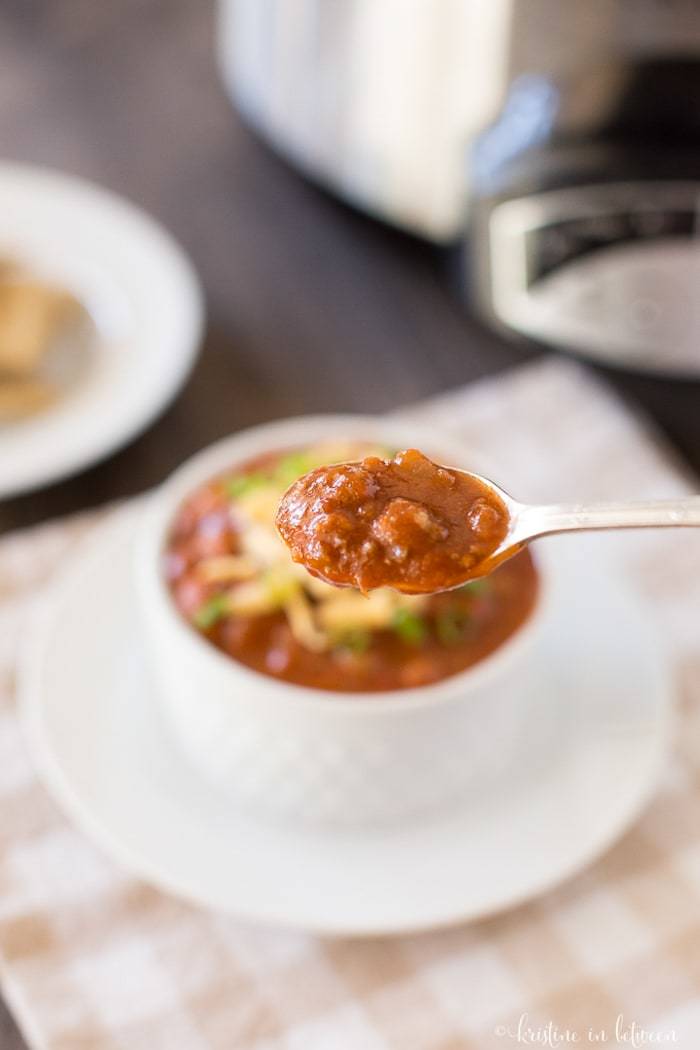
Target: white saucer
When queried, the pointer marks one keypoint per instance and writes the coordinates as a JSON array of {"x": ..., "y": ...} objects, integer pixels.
[
  {"x": 143, "y": 296},
  {"x": 599, "y": 733}
]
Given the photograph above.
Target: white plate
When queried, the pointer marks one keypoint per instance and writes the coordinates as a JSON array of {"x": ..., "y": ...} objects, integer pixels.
[
  {"x": 599, "y": 733},
  {"x": 144, "y": 298}
]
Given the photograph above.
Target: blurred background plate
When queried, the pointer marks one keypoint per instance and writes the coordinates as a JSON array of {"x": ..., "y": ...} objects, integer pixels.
[{"x": 144, "y": 300}]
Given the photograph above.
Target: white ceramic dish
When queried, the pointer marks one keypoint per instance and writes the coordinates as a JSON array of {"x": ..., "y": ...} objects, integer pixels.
[
  {"x": 310, "y": 754},
  {"x": 143, "y": 296},
  {"x": 597, "y": 736}
]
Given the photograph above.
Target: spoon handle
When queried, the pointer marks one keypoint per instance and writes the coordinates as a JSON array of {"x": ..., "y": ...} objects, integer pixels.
[{"x": 539, "y": 521}]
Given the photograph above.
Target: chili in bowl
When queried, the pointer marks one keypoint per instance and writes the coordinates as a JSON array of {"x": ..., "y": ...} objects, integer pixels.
[{"x": 305, "y": 699}]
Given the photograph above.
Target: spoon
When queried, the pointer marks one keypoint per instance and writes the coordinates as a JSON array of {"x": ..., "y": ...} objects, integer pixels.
[
  {"x": 422, "y": 528},
  {"x": 528, "y": 521}
]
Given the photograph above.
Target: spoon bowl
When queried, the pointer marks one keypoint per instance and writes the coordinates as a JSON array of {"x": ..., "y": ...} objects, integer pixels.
[{"x": 419, "y": 527}]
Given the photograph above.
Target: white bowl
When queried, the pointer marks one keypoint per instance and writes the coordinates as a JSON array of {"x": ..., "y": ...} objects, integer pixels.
[
  {"x": 143, "y": 297},
  {"x": 312, "y": 754}
]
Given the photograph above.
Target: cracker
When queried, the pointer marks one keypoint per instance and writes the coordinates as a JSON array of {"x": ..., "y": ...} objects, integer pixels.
[
  {"x": 31, "y": 316},
  {"x": 21, "y": 397}
]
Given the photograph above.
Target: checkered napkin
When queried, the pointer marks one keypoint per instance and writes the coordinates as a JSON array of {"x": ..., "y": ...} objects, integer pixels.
[{"x": 93, "y": 960}]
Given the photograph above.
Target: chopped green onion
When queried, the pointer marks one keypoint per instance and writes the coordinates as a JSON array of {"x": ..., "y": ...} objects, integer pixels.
[
  {"x": 450, "y": 626},
  {"x": 475, "y": 587},
  {"x": 245, "y": 483},
  {"x": 292, "y": 466},
  {"x": 357, "y": 641},
  {"x": 410, "y": 627},
  {"x": 211, "y": 611}
]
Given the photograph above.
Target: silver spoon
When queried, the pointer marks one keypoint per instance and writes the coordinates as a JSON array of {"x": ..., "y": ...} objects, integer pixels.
[
  {"x": 529, "y": 522},
  {"x": 471, "y": 556}
]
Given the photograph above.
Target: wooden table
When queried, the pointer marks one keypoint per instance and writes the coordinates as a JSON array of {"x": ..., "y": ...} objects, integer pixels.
[{"x": 311, "y": 306}]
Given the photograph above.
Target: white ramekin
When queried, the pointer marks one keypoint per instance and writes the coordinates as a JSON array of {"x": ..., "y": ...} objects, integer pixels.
[{"x": 309, "y": 754}]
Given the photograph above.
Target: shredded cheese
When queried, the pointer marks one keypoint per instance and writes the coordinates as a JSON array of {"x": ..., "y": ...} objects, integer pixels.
[
  {"x": 300, "y": 616},
  {"x": 226, "y": 569}
]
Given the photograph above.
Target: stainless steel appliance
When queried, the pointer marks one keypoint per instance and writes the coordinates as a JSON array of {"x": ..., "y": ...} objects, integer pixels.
[{"x": 564, "y": 135}]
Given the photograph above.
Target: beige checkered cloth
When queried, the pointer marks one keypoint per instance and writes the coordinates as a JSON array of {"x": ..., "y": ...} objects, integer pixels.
[{"x": 93, "y": 960}]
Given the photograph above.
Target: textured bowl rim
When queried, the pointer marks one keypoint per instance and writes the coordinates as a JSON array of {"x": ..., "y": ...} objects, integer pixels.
[{"x": 164, "y": 502}]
